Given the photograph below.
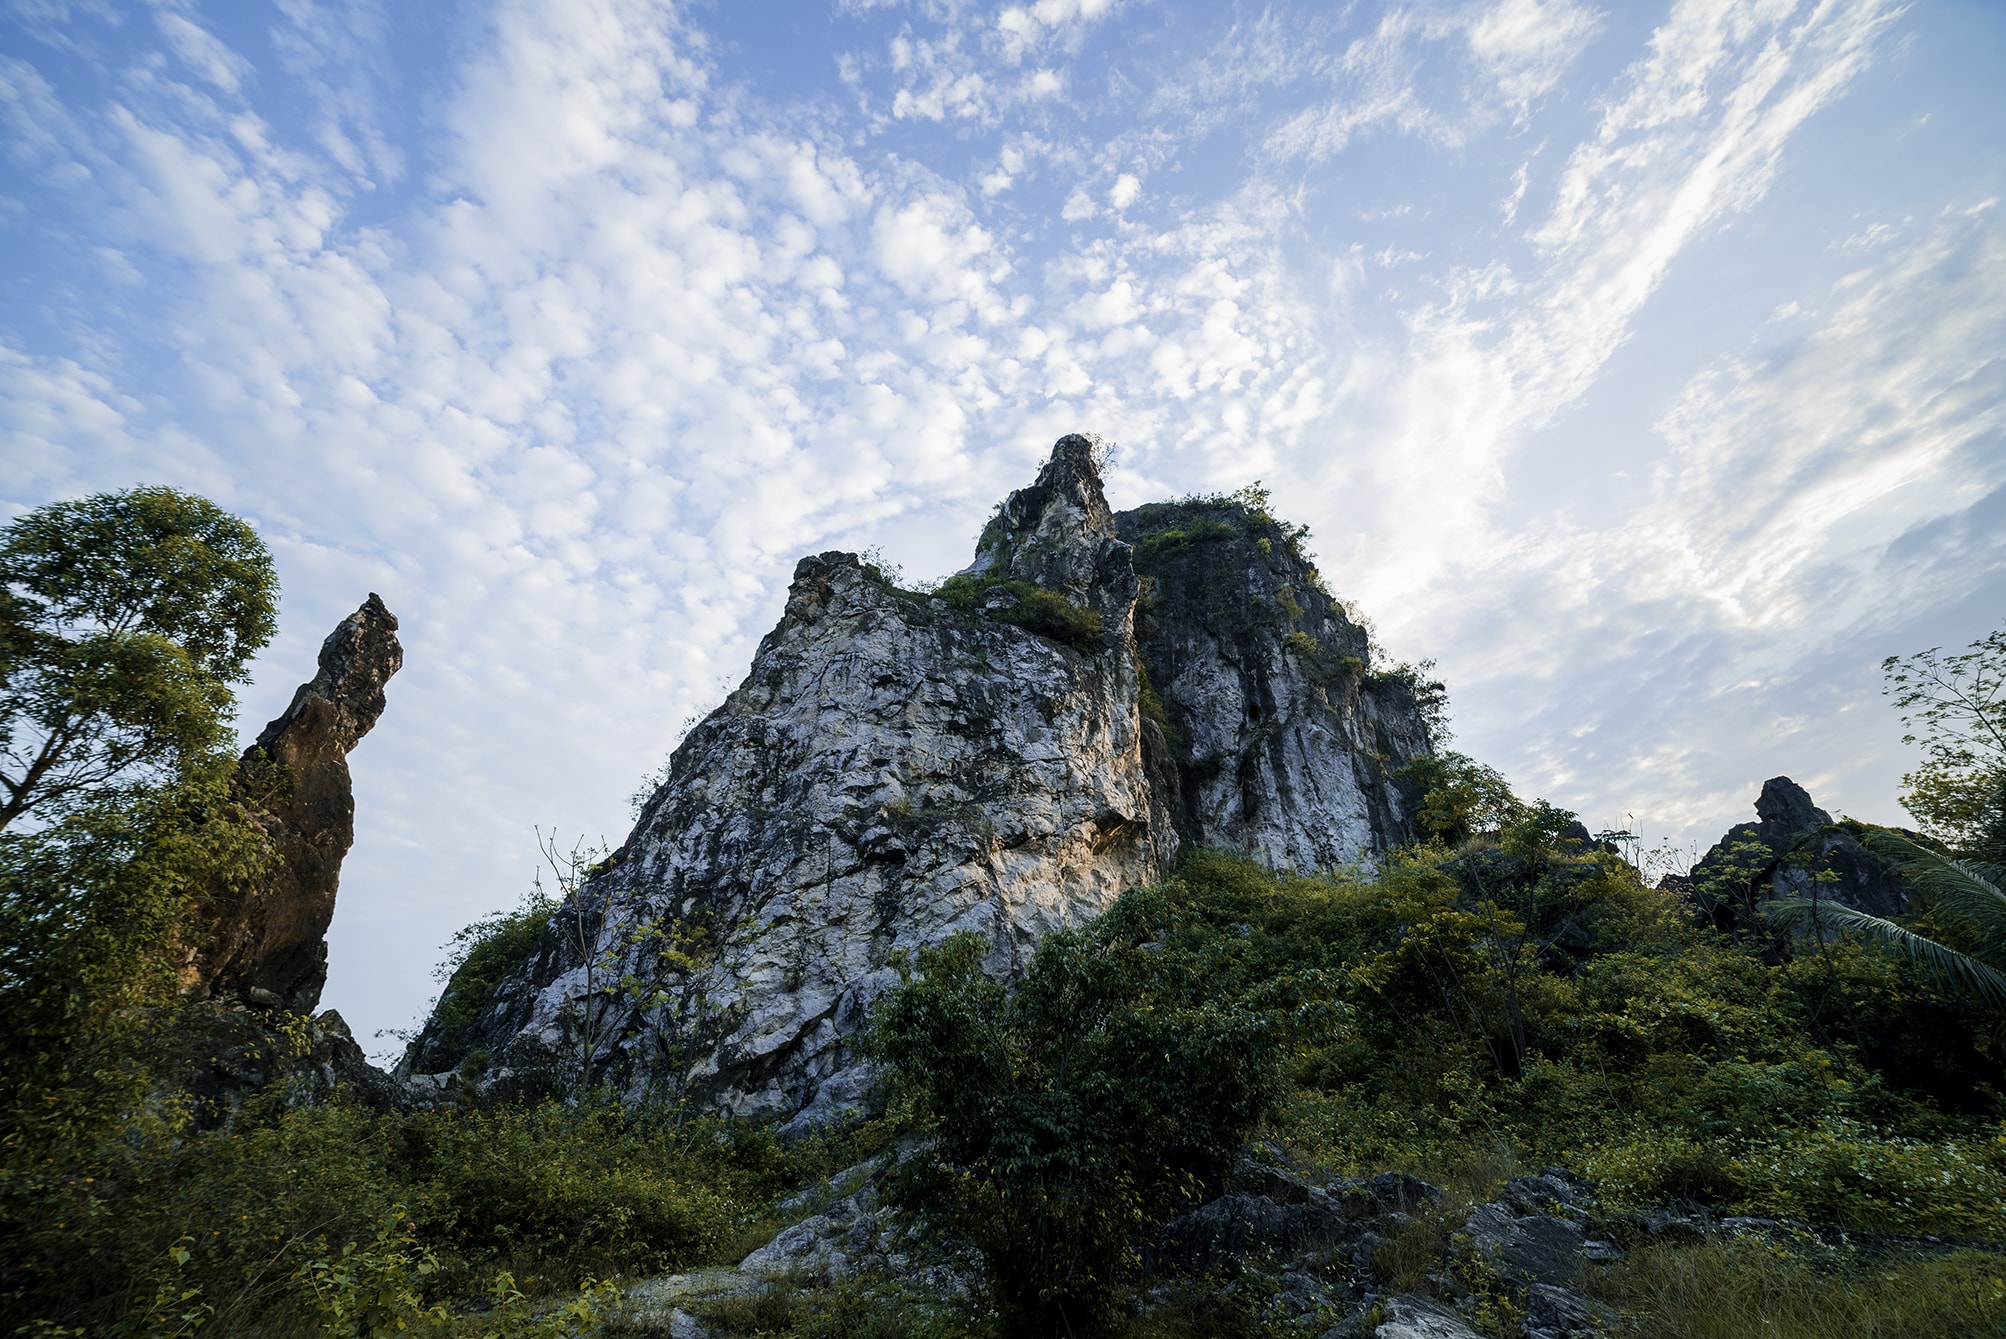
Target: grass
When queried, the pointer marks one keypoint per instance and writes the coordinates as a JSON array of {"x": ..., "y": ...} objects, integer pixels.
[{"x": 1734, "y": 1289}]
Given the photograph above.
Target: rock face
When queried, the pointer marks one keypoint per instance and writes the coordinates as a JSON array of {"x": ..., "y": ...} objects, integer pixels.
[
  {"x": 901, "y": 766},
  {"x": 1793, "y": 850},
  {"x": 1285, "y": 741},
  {"x": 267, "y": 946}
]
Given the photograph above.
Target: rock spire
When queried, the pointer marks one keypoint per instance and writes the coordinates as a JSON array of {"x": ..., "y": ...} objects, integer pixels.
[{"x": 267, "y": 946}]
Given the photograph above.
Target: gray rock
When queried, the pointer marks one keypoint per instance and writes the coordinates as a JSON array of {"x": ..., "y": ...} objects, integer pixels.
[
  {"x": 657, "y": 1305},
  {"x": 1219, "y": 1233},
  {"x": 894, "y": 770},
  {"x": 1794, "y": 850},
  {"x": 847, "y": 1238},
  {"x": 1553, "y": 1312},
  {"x": 1528, "y": 1248},
  {"x": 1398, "y": 1190},
  {"x": 1284, "y": 740},
  {"x": 1417, "y": 1318},
  {"x": 1553, "y": 1190}
]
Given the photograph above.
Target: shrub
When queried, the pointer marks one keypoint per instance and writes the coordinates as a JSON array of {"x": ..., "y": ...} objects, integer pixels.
[
  {"x": 481, "y": 957},
  {"x": 1034, "y": 608},
  {"x": 1101, "y": 1094}
]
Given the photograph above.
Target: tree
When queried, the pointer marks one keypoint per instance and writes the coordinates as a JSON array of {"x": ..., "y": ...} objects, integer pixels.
[
  {"x": 1955, "y": 707},
  {"x": 124, "y": 619},
  {"x": 1063, "y": 1117}
]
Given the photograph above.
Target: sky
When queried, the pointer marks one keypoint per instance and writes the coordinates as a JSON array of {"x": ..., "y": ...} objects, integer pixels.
[{"x": 1642, "y": 365}]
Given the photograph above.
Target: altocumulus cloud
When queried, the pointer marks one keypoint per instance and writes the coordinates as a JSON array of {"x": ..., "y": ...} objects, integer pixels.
[{"x": 570, "y": 327}]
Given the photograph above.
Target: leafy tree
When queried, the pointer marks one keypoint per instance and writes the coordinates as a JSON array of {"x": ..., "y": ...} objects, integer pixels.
[
  {"x": 124, "y": 618},
  {"x": 1955, "y": 707},
  {"x": 1460, "y": 798},
  {"x": 1062, "y": 1117}
]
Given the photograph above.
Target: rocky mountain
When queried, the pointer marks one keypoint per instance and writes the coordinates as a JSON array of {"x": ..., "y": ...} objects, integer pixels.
[{"x": 1003, "y": 755}]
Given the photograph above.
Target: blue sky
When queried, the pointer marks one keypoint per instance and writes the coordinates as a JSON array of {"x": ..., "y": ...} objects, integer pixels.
[{"x": 1644, "y": 365}]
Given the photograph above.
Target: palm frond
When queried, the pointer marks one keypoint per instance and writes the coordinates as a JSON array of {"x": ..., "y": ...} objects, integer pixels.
[
  {"x": 1962, "y": 891},
  {"x": 1946, "y": 964}
]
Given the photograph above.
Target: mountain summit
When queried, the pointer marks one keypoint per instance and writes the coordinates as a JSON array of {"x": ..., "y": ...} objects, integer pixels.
[{"x": 1004, "y": 754}]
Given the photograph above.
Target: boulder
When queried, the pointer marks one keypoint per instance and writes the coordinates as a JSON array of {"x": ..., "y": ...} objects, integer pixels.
[
  {"x": 1407, "y": 1317},
  {"x": 266, "y": 946},
  {"x": 1528, "y": 1248}
]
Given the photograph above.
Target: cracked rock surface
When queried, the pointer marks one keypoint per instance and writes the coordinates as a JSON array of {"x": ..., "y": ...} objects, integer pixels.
[{"x": 898, "y": 767}]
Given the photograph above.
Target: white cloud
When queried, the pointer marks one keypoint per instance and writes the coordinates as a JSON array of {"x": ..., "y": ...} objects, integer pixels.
[
  {"x": 1694, "y": 134},
  {"x": 641, "y": 339}
]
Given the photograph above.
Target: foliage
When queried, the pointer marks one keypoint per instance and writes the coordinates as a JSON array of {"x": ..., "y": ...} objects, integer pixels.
[
  {"x": 1552, "y": 1003},
  {"x": 373, "y": 1289},
  {"x": 1955, "y": 707},
  {"x": 1100, "y": 1095},
  {"x": 1965, "y": 898},
  {"x": 1033, "y": 607},
  {"x": 1199, "y": 530},
  {"x": 332, "y": 1216},
  {"x": 124, "y": 618},
  {"x": 1731, "y": 1288},
  {"x": 478, "y": 959},
  {"x": 1460, "y": 798}
]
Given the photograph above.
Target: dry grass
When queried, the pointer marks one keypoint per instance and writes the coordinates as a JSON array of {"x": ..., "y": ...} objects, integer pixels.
[{"x": 1740, "y": 1289}]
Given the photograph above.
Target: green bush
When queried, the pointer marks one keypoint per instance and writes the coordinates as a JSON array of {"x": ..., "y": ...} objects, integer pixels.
[
  {"x": 279, "y": 1219},
  {"x": 1198, "y": 530},
  {"x": 1108, "y": 1089},
  {"x": 1034, "y": 608},
  {"x": 482, "y": 956}
]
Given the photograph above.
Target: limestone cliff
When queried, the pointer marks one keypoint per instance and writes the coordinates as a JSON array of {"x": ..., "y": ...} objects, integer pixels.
[
  {"x": 267, "y": 946},
  {"x": 899, "y": 766}
]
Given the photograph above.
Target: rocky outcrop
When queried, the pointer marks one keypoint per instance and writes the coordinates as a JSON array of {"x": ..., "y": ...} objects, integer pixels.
[
  {"x": 899, "y": 766},
  {"x": 267, "y": 945},
  {"x": 1284, "y": 737},
  {"x": 1794, "y": 849}
]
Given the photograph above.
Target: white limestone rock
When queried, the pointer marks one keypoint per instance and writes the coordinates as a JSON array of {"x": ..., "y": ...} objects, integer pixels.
[{"x": 897, "y": 768}]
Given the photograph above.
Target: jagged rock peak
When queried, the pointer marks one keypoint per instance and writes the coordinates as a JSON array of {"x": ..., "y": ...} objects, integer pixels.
[
  {"x": 1794, "y": 850},
  {"x": 1786, "y": 810},
  {"x": 356, "y": 660},
  {"x": 1058, "y": 532},
  {"x": 267, "y": 945},
  {"x": 900, "y": 766}
]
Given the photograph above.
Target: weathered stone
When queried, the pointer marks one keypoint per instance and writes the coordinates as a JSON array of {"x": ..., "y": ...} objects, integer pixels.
[
  {"x": 241, "y": 1058},
  {"x": 1399, "y": 1190},
  {"x": 897, "y": 768},
  {"x": 847, "y": 1238},
  {"x": 1285, "y": 740},
  {"x": 1553, "y": 1312},
  {"x": 1219, "y": 1233},
  {"x": 267, "y": 945},
  {"x": 1417, "y": 1318},
  {"x": 1793, "y": 850},
  {"x": 1528, "y": 1248}
]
